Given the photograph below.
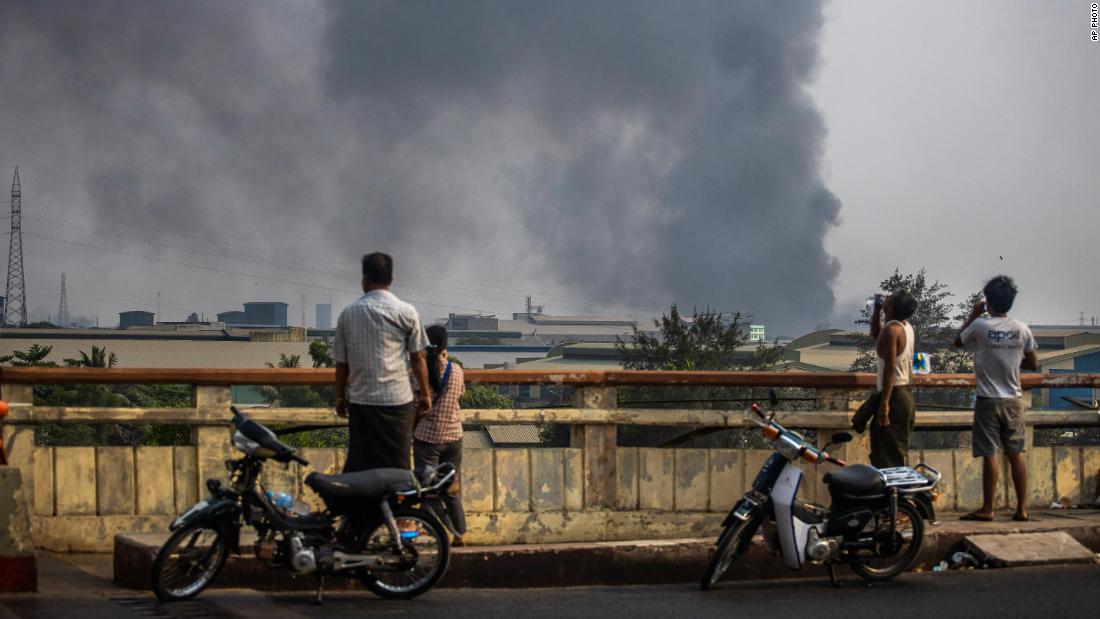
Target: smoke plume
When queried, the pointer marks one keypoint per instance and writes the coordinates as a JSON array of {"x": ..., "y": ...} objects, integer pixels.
[{"x": 611, "y": 157}]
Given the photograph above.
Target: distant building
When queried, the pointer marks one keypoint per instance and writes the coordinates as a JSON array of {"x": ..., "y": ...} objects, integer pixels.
[
  {"x": 757, "y": 333},
  {"x": 232, "y": 319},
  {"x": 324, "y": 316},
  {"x": 268, "y": 313},
  {"x": 471, "y": 322},
  {"x": 135, "y": 318}
]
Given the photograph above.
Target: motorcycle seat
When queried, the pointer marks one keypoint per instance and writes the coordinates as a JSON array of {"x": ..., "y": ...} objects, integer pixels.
[
  {"x": 369, "y": 484},
  {"x": 856, "y": 480}
]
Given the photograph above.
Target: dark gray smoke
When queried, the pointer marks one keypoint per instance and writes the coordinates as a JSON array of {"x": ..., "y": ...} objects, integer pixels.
[{"x": 629, "y": 152}]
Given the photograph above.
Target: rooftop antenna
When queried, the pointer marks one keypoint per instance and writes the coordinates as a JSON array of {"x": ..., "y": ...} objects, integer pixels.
[
  {"x": 63, "y": 307},
  {"x": 15, "y": 302}
]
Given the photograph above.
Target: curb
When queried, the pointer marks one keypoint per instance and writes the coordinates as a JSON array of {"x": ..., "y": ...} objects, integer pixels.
[{"x": 566, "y": 565}]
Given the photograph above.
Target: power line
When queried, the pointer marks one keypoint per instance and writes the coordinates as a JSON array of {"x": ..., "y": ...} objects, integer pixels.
[
  {"x": 454, "y": 286},
  {"x": 224, "y": 271}
]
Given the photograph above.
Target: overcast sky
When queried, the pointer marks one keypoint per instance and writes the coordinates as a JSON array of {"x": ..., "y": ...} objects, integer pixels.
[{"x": 608, "y": 157}]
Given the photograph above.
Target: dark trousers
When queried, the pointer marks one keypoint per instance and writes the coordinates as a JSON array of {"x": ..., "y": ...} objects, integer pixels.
[
  {"x": 890, "y": 445},
  {"x": 379, "y": 437},
  {"x": 432, "y": 454}
]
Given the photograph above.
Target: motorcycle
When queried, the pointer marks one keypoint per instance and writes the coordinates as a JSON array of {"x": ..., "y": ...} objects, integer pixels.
[
  {"x": 377, "y": 526},
  {"x": 875, "y": 522}
]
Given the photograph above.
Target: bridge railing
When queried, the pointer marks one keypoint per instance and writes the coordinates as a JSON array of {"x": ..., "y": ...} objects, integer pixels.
[{"x": 595, "y": 489}]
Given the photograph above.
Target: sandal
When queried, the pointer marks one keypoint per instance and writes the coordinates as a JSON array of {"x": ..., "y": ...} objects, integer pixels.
[
  {"x": 976, "y": 517},
  {"x": 1019, "y": 518}
]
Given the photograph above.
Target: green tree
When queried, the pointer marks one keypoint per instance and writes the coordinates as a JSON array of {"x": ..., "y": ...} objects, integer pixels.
[
  {"x": 151, "y": 396},
  {"x": 707, "y": 341},
  {"x": 321, "y": 355},
  {"x": 32, "y": 357},
  {"x": 98, "y": 359},
  {"x": 307, "y": 396},
  {"x": 484, "y": 396},
  {"x": 931, "y": 322}
]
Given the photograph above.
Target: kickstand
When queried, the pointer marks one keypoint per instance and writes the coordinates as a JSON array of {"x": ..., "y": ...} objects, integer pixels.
[
  {"x": 832, "y": 575},
  {"x": 317, "y": 601}
]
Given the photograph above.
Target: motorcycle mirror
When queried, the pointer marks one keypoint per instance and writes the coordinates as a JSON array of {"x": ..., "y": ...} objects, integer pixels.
[
  {"x": 773, "y": 397},
  {"x": 840, "y": 437}
]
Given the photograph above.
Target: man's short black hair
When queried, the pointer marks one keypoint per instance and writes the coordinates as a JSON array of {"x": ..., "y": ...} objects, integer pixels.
[
  {"x": 905, "y": 305},
  {"x": 378, "y": 268},
  {"x": 1000, "y": 292}
]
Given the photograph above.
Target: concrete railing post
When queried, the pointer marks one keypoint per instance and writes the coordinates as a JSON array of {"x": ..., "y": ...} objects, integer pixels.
[
  {"x": 19, "y": 438},
  {"x": 212, "y": 443},
  {"x": 18, "y": 565},
  {"x": 599, "y": 442},
  {"x": 846, "y": 401}
]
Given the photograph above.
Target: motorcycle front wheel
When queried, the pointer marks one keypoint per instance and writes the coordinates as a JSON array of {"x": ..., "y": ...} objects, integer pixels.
[
  {"x": 731, "y": 543},
  {"x": 425, "y": 553},
  {"x": 188, "y": 562},
  {"x": 891, "y": 555}
]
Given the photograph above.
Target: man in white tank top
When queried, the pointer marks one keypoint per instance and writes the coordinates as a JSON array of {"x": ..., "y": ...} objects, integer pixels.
[
  {"x": 892, "y": 427},
  {"x": 1001, "y": 347}
]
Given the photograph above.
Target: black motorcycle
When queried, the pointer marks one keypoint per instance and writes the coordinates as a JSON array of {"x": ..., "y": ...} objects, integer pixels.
[
  {"x": 875, "y": 523},
  {"x": 376, "y": 528}
]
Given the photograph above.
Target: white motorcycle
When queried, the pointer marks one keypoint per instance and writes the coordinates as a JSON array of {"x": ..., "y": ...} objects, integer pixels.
[{"x": 875, "y": 523}]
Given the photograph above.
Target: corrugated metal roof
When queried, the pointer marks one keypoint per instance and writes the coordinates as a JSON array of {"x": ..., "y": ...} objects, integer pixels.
[
  {"x": 513, "y": 435},
  {"x": 1054, "y": 356},
  {"x": 561, "y": 363},
  {"x": 170, "y": 353},
  {"x": 476, "y": 439},
  {"x": 836, "y": 358}
]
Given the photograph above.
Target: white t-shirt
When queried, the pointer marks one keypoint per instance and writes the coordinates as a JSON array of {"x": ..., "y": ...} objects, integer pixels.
[{"x": 998, "y": 345}]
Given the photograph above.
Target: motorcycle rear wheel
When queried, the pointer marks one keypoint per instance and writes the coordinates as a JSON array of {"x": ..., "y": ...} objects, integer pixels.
[
  {"x": 909, "y": 535},
  {"x": 428, "y": 552},
  {"x": 731, "y": 543}
]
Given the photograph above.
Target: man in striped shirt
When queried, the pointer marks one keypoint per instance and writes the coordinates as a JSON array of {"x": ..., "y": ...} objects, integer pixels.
[{"x": 378, "y": 338}]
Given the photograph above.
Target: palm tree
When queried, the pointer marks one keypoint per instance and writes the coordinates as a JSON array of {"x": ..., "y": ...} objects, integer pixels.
[{"x": 98, "y": 359}]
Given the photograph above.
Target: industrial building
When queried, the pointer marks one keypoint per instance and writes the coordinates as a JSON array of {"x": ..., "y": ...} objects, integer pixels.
[
  {"x": 135, "y": 318},
  {"x": 257, "y": 314}
]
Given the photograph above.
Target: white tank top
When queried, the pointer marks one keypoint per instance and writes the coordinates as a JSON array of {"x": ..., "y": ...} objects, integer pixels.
[{"x": 903, "y": 369}]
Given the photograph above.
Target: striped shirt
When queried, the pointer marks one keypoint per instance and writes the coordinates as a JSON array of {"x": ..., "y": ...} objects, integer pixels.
[
  {"x": 443, "y": 424},
  {"x": 374, "y": 337}
]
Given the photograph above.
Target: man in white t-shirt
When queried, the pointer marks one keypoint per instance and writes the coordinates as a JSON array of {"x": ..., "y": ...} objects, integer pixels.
[{"x": 1001, "y": 347}]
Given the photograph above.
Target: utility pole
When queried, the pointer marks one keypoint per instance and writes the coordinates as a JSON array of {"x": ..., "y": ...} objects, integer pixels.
[
  {"x": 156, "y": 318},
  {"x": 63, "y": 308},
  {"x": 15, "y": 302},
  {"x": 303, "y": 311}
]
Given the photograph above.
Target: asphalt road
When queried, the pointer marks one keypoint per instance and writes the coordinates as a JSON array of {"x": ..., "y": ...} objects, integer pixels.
[{"x": 1055, "y": 591}]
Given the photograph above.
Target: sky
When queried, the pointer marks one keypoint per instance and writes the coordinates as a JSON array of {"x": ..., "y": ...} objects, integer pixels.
[{"x": 777, "y": 158}]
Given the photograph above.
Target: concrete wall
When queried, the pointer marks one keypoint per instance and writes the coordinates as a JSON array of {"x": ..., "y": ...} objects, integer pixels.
[{"x": 82, "y": 496}]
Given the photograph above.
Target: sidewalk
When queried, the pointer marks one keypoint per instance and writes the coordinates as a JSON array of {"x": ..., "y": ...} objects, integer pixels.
[{"x": 607, "y": 563}]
